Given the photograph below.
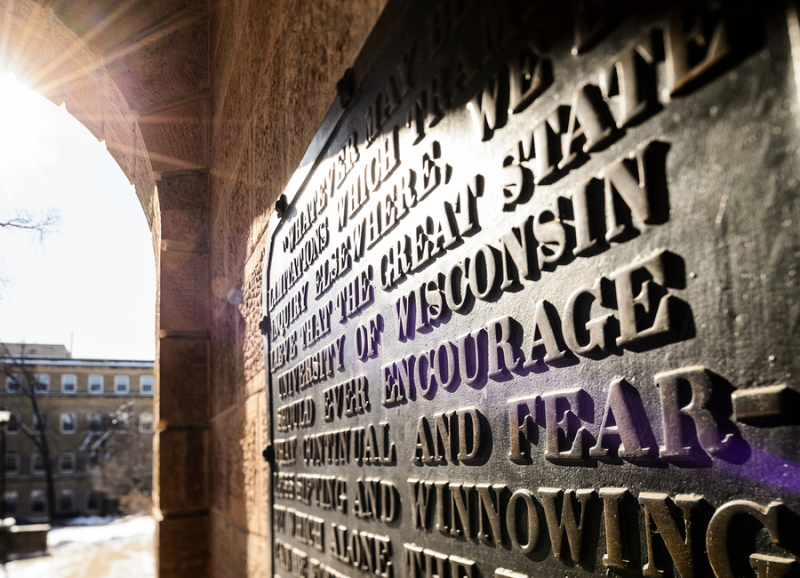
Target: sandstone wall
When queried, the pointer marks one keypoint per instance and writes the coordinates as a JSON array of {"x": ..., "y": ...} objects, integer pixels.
[{"x": 274, "y": 68}]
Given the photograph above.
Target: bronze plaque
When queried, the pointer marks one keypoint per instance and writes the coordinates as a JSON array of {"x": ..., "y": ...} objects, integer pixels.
[{"x": 531, "y": 301}]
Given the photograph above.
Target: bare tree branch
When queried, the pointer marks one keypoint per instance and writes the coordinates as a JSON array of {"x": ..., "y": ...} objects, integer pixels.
[
  {"x": 39, "y": 222},
  {"x": 125, "y": 455}
]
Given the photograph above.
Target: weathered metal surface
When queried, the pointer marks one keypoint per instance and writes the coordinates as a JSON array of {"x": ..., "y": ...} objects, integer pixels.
[{"x": 532, "y": 309}]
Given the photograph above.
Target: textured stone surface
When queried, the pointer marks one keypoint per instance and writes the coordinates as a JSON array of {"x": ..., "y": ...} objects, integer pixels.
[
  {"x": 183, "y": 295},
  {"x": 240, "y": 215},
  {"x": 29, "y": 47},
  {"x": 227, "y": 372},
  {"x": 78, "y": 78},
  {"x": 118, "y": 127},
  {"x": 229, "y": 547},
  {"x": 103, "y": 23},
  {"x": 269, "y": 154},
  {"x": 235, "y": 432},
  {"x": 176, "y": 137},
  {"x": 83, "y": 93},
  {"x": 165, "y": 67},
  {"x": 179, "y": 478},
  {"x": 236, "y": 552},
  {"x": 254, "y": 466},
  {"x": 322, "y": 41},
  {"x": 220, "y": 286},
  {"x": 253, "y": 340},
  {"x": 143, "y": 177},
  {"x": 216, "y": 475},
  {"x": 226, "y": 143},
  {"x": 262, "y": 27},
  {"x": 183, "y": 369},
  {"x": 184, "y": 208},
  {"x": 182, "y": 547}
]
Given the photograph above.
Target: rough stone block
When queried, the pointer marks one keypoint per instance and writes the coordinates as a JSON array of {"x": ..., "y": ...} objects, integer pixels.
[
  {"x": 183, "y": 382},
  {"x": 263, "y": 26},
  {"x": 258, "y": 559},
  {"x": 184, "y": 209},
  {"x": 217, "y": 475},
  {"x": 253, "y": 339},
  {"x": 263, "y": 504},
  {"x": 269, "y": 154},
  {"x": 227, "y": 364},
  {"x": 218, "y": 186},
  {"x": 236, "y": 447},
  {"x": 165, "y": 67},
  {"x": 103, "y": 23},
  {"x": 253, "y": 464},
  {"x": 180, "y": 471},
  {"x": 227, "y": 124},
  {"x": 182, "y": 547},
  {"x": 220, "y": 285},
  {"x": 83, "y": 94},
  {"x": 316, "y": 58},
  {"x": 226, "y": 29},
  {"x": 183, "y": 291},
  {"x": 236, "y": 553},
  {"x": 29, "y": 50},
  {"x": 121, "y": 146},
  {"x": 72, "y": 75},
  {"x": 240, "y": 215},
  {"x": 118, "y": 127},
  {"x": 176, "y": 137},
  {"x": 143, "y": 177},
  {"x": 71, "y": 45},
  {"x": 229, "y": 554},
  {"x": 156, "y": 230}
]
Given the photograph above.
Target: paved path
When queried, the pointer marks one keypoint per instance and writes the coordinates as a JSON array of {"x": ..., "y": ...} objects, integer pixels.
[{"x": 122, "y": 549}]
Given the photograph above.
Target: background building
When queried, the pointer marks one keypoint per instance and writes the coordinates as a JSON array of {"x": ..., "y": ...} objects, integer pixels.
[{"x": 79, "y": 399}]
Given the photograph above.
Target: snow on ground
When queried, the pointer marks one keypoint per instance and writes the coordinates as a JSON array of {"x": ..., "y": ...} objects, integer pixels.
[
  {"x": 79, "y": 537},
  {"x": 103, "y": 548}
]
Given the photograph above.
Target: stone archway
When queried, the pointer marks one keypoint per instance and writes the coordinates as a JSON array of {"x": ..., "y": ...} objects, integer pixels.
[
  {"x": 208, "y": 106},
  {"x": 135, "y": 73}
]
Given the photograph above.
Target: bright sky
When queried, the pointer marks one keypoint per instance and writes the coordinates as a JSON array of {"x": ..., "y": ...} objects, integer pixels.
[{"x": 93, "y": 278}]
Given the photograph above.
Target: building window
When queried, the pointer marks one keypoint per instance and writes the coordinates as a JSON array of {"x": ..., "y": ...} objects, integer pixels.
[
  {"x": 95, "y": 384},
  {"x": 41, "y": 383},
  {"x": 40, "y": 426},
  {"x": 12, "y": 463},
  {"x": 38, "y": 504},
  {"x": 68, "y": 423},
  {"x": 13, "y": 383},
  {"x": 66, "y": 463},
  {"x": 10, "y": 500},
  {"x": 146, "y": 384},
  {"x": 92, "y": 459},
  {"x": 92, "y": 501},
  {"x": 66, "y": 501},
  {"x": 121, "y": 383},
  {"x": 37, "y": 464},
  {"x": 69, "y": 383},
  {"x": 95, "y": 421},
  {"x": 146, "y": 422},
  {"x": 13, "y": 424}
]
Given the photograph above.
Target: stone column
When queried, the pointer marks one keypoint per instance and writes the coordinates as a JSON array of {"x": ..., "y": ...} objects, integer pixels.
[{"x": 180, "y": 477}]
